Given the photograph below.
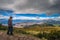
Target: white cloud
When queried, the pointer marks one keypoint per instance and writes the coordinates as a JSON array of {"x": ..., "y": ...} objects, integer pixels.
[
  {"x": 31, "y": 10},
  {"x": 29, "y": 18},
  {"x": 52, "y": 2},
  {"x": 32, "y": 18},
  {"x": 57, "y": 18},
  {"x": 24, "y": 18},
  {"x": 20, "y": 2},
  {"x": 4, "y": 17}
]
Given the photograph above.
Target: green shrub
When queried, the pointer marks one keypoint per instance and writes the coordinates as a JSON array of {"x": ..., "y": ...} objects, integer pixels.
[
  {"x": 2, "y": 27},
  {"x": 54, "y": 35},
  {"x": 40, "y": 35},
  {"x": 21, "y": 31}
]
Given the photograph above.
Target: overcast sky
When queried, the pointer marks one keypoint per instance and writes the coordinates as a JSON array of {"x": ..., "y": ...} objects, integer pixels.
[
  {"x": 31, "y": 6},
  {"x": 34, "y": 9}
]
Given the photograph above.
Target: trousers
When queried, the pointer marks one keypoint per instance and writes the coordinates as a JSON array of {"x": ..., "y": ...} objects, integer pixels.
[{"x": 10, "y": 30}]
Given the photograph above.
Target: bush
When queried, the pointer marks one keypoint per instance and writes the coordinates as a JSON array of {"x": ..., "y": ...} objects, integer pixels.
[
  {"x": 54, "y": 35},
  {"x": 40, "y": 35},
  {"x": 50, "y": 36},
  {"x": 2, "y": 27},
  {"x": 21, "y": 31}
]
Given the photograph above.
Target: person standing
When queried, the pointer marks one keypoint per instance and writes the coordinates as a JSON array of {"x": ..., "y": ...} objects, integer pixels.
[{"x": 10, "y": 26}]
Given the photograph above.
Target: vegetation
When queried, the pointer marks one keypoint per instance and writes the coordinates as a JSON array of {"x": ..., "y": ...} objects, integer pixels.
[
  {"x": 2, "y": 27},
  {"x": 53, "y": 35},
  {"x": 49, "y": 33}
]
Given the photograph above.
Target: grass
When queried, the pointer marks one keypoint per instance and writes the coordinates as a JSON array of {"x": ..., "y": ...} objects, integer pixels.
[{"x": 34, "y": 31}]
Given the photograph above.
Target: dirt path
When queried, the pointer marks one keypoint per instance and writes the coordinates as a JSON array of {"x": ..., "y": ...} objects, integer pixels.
[{"x": 4, "y": 36}]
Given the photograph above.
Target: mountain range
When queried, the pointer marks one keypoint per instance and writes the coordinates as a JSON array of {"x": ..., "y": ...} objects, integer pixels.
[{"x": 30, "y": 22}]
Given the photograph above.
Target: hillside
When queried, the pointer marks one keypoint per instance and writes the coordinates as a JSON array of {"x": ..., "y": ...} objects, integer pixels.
[
  {"x": 34, "y": 32},
  {"x": 4, "y": 36}
]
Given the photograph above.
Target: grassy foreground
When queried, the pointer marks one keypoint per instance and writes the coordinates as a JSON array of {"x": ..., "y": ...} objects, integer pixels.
[{"x": 44, "y": 33}]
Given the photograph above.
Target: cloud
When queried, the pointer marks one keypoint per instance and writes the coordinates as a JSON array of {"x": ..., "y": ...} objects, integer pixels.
[
  {"x": 29, "y": 18},
  {"x": 31, "y": 6},
  {"x": 4, "y": 17},
  {"x": 36, "y": 18},
  {"x": 57, "y": 18}
]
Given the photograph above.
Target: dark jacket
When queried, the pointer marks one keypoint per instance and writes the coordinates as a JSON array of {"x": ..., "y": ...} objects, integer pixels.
[{"x": 9, "y": 23}]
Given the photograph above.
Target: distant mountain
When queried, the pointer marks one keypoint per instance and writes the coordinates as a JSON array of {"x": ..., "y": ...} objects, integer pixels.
[
  {"x": 30, "y": 22},
  {"x": 45, "y": 23},
  {"x": 4, "y": 21},
  {"x": 50, "y": 21},
  {"x": 41, "y": 23}
]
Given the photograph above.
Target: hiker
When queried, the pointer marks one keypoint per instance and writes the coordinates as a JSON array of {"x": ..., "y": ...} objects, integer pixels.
[{"x": 10, "y": 27}]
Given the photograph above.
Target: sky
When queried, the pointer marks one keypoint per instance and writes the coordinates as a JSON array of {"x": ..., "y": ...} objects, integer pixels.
[{"x": 30, "y": 9}]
